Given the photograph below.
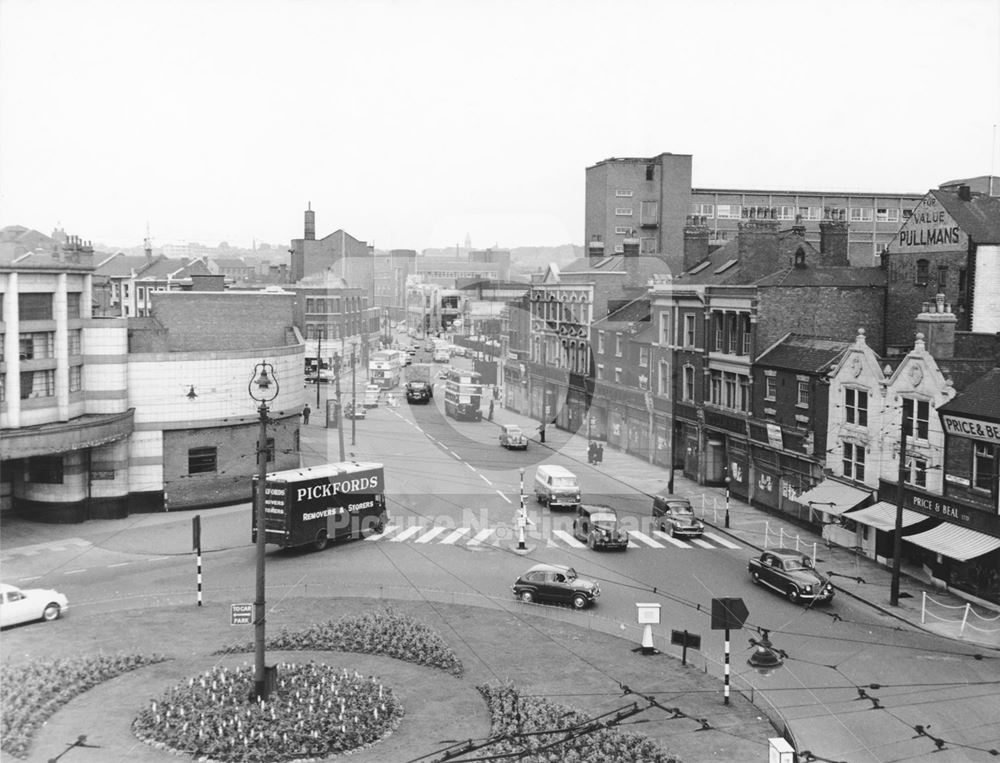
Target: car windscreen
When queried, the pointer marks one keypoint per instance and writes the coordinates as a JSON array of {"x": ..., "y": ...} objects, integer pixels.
[
  {"x": 513, "y": 432},
  {"x": 681, "y": 509},
  {"x": 795, "y": 564},
  {"x": 603, "y": 519},
  {"x": 563, "y": 482}
]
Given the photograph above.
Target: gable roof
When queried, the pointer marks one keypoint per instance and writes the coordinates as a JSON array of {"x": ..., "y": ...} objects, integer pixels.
[
  {"x": 635, "y": 312},
  {"x": 121, "y": 265},
  {"x": 723, "y": 266},
  {"x": 799, "y": 352},
  {"x": 827, "y": 275},
  {"x": 979, "y": 217},
  {"x": 981, "y": 399}
]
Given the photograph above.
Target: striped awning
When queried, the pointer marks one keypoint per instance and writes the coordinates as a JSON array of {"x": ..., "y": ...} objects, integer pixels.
[
  {"x": 832, "y": 497},
  {"x": 882, "y": 516},
  {"x": 955, "y": 542}
]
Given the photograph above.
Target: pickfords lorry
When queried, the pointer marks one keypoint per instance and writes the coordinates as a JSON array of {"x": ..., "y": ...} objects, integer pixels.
[{"x": 315, "y": 505}]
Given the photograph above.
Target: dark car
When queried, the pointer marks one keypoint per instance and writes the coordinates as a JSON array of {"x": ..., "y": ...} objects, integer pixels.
[
  {"x": 598, "y": 527},
  {"x": 676, "y": 516},
  {"x": 419, "y": 392},
  {"x": 791, "y": 574},
  {"x": 557, "y": 584}
]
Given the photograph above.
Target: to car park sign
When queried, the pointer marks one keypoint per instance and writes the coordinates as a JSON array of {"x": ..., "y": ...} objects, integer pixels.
[{"x": 241, "y": 614}]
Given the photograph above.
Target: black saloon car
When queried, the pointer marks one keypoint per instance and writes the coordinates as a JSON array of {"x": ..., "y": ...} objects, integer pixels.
[
  {"x": 791, "y": 574},
  {"x": 557, "y": 584},
  {"x": 676, "y": 516},
  {"x": 419, "y": 392}
]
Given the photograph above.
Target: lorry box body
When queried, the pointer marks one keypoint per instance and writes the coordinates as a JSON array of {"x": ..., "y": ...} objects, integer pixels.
[{"x": 319, "y": 504}]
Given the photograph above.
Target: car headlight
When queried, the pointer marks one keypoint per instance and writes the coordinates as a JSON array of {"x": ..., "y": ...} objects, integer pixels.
[{"x": 808, "y": 589}]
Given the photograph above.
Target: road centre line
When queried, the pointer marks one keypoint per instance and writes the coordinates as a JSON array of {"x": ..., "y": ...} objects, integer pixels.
[
  {"x": 470, "y": 466},
  {"x": 503, "y": 496},
  {"x": 120, "y": 564},
  {"x": 486, "y": 480}
]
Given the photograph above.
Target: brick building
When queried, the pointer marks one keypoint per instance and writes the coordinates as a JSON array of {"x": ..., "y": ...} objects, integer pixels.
[{"x": 348, "y": 257}]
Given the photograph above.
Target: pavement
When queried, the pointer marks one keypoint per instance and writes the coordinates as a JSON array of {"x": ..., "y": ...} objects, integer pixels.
[{"x": 578, "y": 661}]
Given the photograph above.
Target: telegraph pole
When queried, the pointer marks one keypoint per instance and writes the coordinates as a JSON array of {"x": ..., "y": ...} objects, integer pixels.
[
  {"x": 319, "y": 366},
  {"x": 897, "y": 540},
  {"x": 340, "y": 408},
  {"x": 354, "y": 393}
]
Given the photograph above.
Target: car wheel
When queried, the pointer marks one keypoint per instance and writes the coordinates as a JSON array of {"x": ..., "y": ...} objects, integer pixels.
[
  {"x": 755, "y": 577},
  {"x": 52, "y": 612},
  {"x": 793, "y": 595},
  {"x": 527, "y": 597},
  {"x": 579, "y": 601},
  {"x": 672, "y": 533},
  {"x": 321, "y": 540}
]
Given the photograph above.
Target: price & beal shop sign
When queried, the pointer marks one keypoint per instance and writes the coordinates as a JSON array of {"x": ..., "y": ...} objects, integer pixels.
[{"x": 971, "y": 428}]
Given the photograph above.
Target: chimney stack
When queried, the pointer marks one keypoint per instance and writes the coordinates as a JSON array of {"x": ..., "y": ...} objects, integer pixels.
[
  {"x": 696, "y": 235},
  {"x": 595, "y": 249},
  {"x": 758, "y": 247},
  {"x": 937, "y": 323},
  {"x": 965, "y": 192},
  {"x": 630, "y": 247},
  {"x": 310, "y": 230},
  {"x": 833, "y": 243}
]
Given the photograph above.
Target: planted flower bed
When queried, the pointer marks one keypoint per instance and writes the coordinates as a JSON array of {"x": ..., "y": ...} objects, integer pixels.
[
  {"x": 30, "y": 694},
  {"x": 315, "y": 711},
  {"x": 519, "y": 719},
  {"x": 383, "y": 631}
]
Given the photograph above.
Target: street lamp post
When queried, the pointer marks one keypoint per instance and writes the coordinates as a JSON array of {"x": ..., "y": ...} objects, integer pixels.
[
  {"x": 522, "y": 518},
  {"x": 354, "y": 390},
  {"x": 340, "y": 407},
  {"x": 727, "y": 502},
  {"x": 263, "y": 388}
]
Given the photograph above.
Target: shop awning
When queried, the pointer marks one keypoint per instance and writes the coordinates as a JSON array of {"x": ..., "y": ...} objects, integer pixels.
[
  {"x": 955, "y": 542},
  {"x": 833, "y": 497},
  {"x": 882, "y": 516}
]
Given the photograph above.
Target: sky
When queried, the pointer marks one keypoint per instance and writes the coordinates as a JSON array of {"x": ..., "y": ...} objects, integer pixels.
[{"x": 414, "y": 124}]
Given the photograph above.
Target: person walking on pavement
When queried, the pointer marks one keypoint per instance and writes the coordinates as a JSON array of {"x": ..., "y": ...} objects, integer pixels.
[
  {"x": 491, "y": 411},
  {"x": 591, "y": 452},
  {"x": 305, "y": 414},
  {"x": 598, "y": 453},
  {"x": 541, "y": 432}
]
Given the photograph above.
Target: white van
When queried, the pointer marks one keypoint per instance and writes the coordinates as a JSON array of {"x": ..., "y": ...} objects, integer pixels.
[
  {"x": 556, "y": 487},
  {"x": 372, "y": 392}
]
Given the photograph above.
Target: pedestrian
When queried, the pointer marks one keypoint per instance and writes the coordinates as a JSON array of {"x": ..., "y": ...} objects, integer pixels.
[
  {"x": 491, "y": 411},
  {"x": 305, "y": 414},
  {"x": 599, "y": 453},
  {"x": 591, "y": 452},
  {"x": 541, "y": 432}
]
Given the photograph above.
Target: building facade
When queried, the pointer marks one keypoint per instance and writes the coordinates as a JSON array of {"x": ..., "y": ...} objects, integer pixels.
[{"x": 348, "y": 257}]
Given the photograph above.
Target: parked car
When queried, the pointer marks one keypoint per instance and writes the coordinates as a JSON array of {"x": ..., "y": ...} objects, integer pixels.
[
  {"x": 512, "y": 437},
  {"x": 556, "y": 583},
  {"x": 26, "y": 605},
  {"x": 418, "y": 391},
  {"x": 676, "y": 516},
  {"x": 352, "y": 411},
  {"x": 791, "y": 574},
  {"x": 556, "y": 487},
  {"x": 599, "y": 527}
]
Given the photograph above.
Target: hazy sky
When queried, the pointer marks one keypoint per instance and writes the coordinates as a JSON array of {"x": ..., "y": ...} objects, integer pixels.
[{"x": 410, "y": 124}]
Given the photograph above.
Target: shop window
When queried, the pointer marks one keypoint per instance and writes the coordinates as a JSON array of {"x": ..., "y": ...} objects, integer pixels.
[
  {"x": 984, "y": 467},
  {"x": 856, "y": 406},
  {"x": 45, "y": 470},
  {"x": 202, "y": 460},
  {"x": 854, "y": 461}
]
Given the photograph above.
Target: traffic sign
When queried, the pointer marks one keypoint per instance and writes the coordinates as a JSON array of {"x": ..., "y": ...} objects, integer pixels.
[
  {"x": 728, "y": 613},
  {"x": 241, "y": 614}
]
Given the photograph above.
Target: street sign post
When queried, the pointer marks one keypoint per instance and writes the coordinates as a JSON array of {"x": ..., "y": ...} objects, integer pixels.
[
  {"x": 684, "y": 640},
  {"x": 728, "y": 613}
]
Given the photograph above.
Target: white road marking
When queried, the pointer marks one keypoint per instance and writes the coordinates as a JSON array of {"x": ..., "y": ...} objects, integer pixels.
[
  {"x": 566, "y": 537},
  {"x": 455, "y": 535},
  {"x": 645, "y": 539},
  {"x": 486, "y": 480},
  {"x": 455, "y": 455},
  {"x": 73, "y": 572},
  {"x": 120, "y": 564},
  {"x": 503, "y": 496},
  {"x": 428, "y": 536},
  {"x": 720, "y": 540},
  {"x": 702, "y": 543},
  {"x": 668, "y": 539},
  {"x": 479, "y": 537},
  {"x": 406, "y": 534},
  {"x": 470, "y": 466},
  {"x": 378, "y": 536}
]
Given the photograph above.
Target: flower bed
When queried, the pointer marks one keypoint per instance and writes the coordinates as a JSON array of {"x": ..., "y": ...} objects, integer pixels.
[
  {"x": 30, "y": 694},
  {"x": 381, "y": 632},
  {"x": 314, "y": 711},
  {"x": 520, "y": 718}
]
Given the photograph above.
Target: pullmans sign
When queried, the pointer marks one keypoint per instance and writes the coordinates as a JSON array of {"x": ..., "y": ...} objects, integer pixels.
[{"x": 930, "y": 229}]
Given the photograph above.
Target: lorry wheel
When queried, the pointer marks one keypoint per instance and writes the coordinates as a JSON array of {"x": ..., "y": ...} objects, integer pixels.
[
  {"x": 321, "y": 540},
  {"x": 379, "y": 527}
]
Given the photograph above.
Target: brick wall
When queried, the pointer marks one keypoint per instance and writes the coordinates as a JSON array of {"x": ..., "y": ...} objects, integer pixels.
[
  {"x": 906, "y": 296},
  {"x": 836, "y": 312},
  {"x": 230, "y": 321}
]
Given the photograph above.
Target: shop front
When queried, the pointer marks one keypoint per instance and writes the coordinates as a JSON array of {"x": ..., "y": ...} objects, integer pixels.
[
  {"x": 739, "y": 468},
  {"x": 576, "y": 407},
  {"x": 765, "y": 478},
  {"x": 689, "y": 441}
]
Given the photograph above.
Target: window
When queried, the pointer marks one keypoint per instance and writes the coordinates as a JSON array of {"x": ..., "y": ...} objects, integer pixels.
[
  {"x": 618, "y": 345},
  {"x": 923, "y": 272},
  {"x": 786, "y": 212},
  {"x": 622, "y": 193},
  {"x": 643, "y": 357},
  {"x": 650, "y": 171},
  {"x": 649, "y": 212},
  {"x": 623, "y": 211},
  {"x": 984, "y": 467},
  {"x": 916, "y": 473},
  {"x": 600, "y": 342},
  {"x": 34, "y": 307},
  {"x": 46, "y": 470},
  {"x": 664, "y": 379},
  {"x": 745, "y": 394},
  {"x": 37, "y": 345},
  {"x": 861, "y": 214},
  {"x": 75, "y": 378},
  {"x": 856, "y": 406},
  {"x": 201, "y": 460},
  {"x": 73, "y": 305},
  {"x": 688, "y": 391},
  {"x": 886, "y": 215},
  {"x": 600, "y": 370},
  {"x": 770, "y": 387},
  {"x": 618, "y": 376},
  {"x": 3, "y": 388},
  {"x": 835, "y": 213},
  {"x": 811, "y": 213},
  {"x": 703, "y": 210},
  {"x": 802, "y": 396},
  {"x": 907, "y": 213},
  {"x": 854, "y": 461},
  {"x": 621, "y": 230},
  {"x": 729, "y": 212},
  {"x": 647, "y": 245},
  {"x": 619, "y": 248},
  {"x": 689, "y": 335},
  {"x": 38, "y": 384},
  {"x": 74, "y": 341},
  {"x": 942, "y": 279},
  {"x": 664, "y": 329},
  {"x": 730, "y": 387},
  {"x": 917, "y": 413},
  {"x": 715, "y": 388}
]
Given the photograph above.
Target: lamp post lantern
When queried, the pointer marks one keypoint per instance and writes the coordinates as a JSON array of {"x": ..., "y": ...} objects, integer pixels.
[{"x": 263, "y": 389}]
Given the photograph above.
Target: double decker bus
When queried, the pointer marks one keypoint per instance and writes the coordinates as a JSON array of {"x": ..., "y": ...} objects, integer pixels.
[
  {"x": 462, "y": 395},
  {"x": 385, "y": 368}
]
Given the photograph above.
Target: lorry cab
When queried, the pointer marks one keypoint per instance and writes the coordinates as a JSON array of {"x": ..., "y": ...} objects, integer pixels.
[{"x": 556, "y": 487}]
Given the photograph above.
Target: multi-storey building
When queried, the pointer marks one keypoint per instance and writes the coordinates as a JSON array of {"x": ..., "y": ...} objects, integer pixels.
[
  {"x": 390, "y": 271},
  {"x": 335, "y": 319},
  {"x": 348, "y": 257}
]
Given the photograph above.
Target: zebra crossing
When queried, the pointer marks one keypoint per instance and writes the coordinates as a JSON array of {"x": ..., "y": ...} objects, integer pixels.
[{"x": 421, "y": 534}]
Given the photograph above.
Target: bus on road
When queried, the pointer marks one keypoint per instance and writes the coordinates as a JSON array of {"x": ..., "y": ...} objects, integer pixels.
[
  {"x": 463, "y": 394},
  {"x": 385, "y": 368}
]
